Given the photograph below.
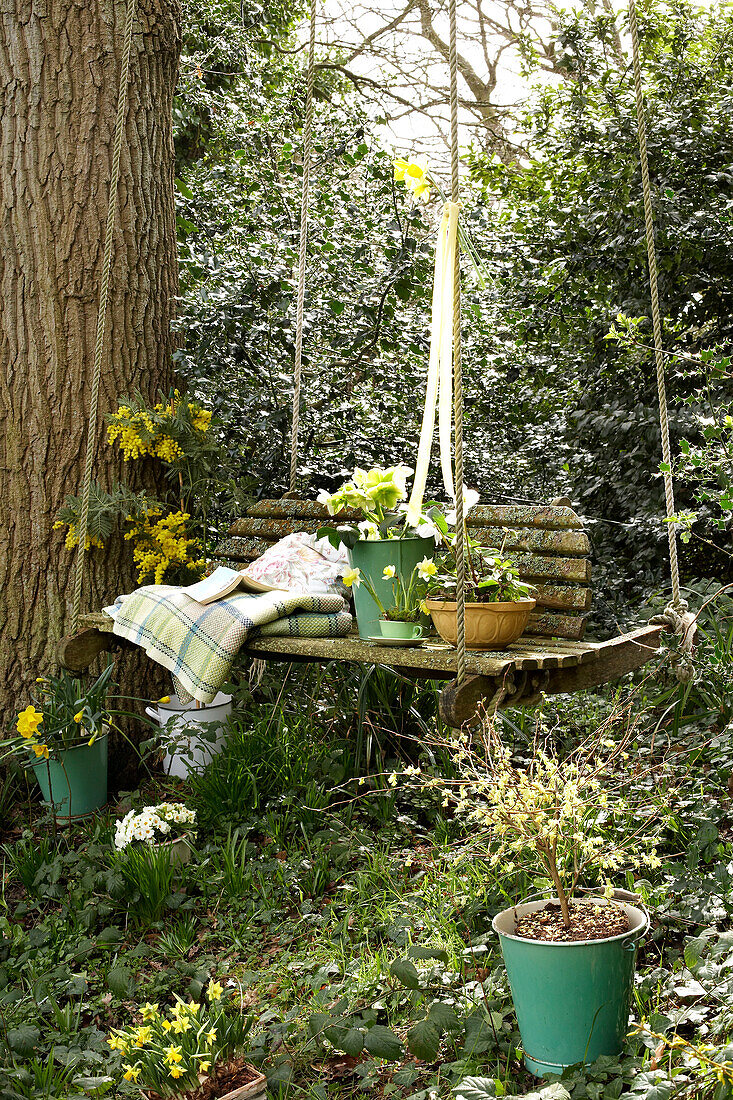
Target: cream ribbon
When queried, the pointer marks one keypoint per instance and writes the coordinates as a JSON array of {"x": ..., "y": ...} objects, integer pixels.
[{"x": 440, "y": 366}]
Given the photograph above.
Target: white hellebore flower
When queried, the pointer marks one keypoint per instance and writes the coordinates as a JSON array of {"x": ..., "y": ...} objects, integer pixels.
[
  {"x": 369, "y": 530},
  {"x": 470, "y": 497}
]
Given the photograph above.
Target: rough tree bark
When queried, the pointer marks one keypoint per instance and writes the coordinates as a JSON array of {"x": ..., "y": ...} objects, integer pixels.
[{"x": 59, "y": 73}]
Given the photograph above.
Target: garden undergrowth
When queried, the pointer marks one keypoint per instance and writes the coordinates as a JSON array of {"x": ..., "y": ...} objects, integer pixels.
[{"x": 343, "y": 913}]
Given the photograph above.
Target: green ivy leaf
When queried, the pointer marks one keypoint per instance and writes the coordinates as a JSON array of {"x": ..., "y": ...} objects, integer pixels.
[
  {"x": 22, "y": 1040},
  {"x": 423, "y": 1040},
  {"x": 382, "y": 1042},
  {"x": 405, "y": 973},
  {"x": 121, "y": 982}
]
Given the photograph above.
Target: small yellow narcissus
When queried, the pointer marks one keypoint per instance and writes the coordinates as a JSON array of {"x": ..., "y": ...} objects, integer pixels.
[
  {"x": 131, "y": 1072},
  {"x": 214, "y": 990},
  {"x": 352, "y": 577}
]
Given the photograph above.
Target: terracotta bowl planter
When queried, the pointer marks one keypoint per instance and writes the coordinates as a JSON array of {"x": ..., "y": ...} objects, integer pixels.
[{"x": 488, "y": 625}]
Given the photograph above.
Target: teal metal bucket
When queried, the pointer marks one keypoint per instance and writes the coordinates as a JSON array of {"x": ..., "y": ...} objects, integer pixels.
[
  {"x": 573, "y": 999},
  {"x": 76, "y": 784},
  {"x": 370, "y": 558}
]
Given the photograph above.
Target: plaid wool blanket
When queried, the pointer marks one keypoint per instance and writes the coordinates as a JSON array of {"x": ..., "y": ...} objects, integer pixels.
[{"x": 197, "y": 643}]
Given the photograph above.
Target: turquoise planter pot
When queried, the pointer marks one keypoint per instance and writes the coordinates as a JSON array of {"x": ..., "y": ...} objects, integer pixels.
[
  {"x": 572, "y": 1000},
  {"x": 371, "y": 558},
  {"x": 76, "y": 784}
]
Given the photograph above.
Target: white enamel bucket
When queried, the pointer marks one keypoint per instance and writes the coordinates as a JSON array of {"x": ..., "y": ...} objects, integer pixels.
[{"x": 185, "y": 749}]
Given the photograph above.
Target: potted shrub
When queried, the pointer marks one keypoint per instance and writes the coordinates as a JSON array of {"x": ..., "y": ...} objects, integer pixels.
[
  {"x": 190, "y": 1051},
  {"x": 498, "y": 603},
  {"x": 570, "y": 960},
  {"x": 165, "y": 826},
  {"x": 402, "y": 619},
  {"x": 382, "y": 539},
  {"x": 63, "y": 734}
]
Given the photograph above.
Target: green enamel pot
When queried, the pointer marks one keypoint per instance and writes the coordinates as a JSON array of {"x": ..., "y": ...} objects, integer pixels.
[
  {"x": 572, "y": 999},
  {"x": 76, "y": 783},
  {"x": 371, "y": 558}
]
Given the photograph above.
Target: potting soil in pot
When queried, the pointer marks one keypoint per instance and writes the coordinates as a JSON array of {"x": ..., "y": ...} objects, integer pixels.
[{"x": 588, "y": 921}]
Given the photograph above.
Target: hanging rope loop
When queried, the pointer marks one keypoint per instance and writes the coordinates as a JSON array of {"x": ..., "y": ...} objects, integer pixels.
[
  {"x": 302, "y": 250},
  {"x": 83, "y": 526},
  {"x": 676, "y": 615}
]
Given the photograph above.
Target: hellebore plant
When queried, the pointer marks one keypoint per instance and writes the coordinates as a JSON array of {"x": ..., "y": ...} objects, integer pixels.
[
  {"x": 379, "y": 494},
  {"x": 409, "y": 598}
]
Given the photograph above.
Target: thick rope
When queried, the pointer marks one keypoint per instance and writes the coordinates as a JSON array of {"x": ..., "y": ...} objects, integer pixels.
[
  {"x": 83, "y": 525},
  {"x": 457, "y": 362},
  {"x": 656, "y": 314},
  {"x": 676, "y": 615},
  {"x": 302, "y": 249}
]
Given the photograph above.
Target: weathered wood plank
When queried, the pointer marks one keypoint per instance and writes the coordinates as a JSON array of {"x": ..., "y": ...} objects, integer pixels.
[
  {"x": 545, "y": 516},
  {"x": 564, "y": 597},
  {"x": 564, "y": 543},
  {"x": 435, "y": 656},
  {"x": 552, "y": 625}
]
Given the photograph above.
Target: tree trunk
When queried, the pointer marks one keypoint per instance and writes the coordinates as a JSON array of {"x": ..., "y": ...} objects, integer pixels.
[{"x": 59, "y": 74}]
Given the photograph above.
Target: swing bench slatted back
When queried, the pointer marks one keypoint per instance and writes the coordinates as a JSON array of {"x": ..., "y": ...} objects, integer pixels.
[{"x": 547, "y": 542}]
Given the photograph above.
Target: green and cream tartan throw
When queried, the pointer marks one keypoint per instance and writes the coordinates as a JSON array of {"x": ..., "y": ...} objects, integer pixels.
[{"x": 197, "y": 643}]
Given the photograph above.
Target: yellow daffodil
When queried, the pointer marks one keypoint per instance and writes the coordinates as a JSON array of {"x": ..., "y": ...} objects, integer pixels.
[
  {"x": 193, "y": 1007},
  {"x": 166, "y": 1025},
  {"x": 211, "y": 1035},
  {"x": 388, "y": 572},
  {"x": 214, "y": 990},
  {"x": 172, "y": 1055},
  {"x": 414, "y": 174},
  {"x": 181, "y": 1024},
  {"x": 149, "y": 1011},
  {"x": 175, "y": 1071},
  {"x": 205, "y": 1065},
  {"x": 28, "y": 721},
  {"x": 41, "y": 751},
  {"x": 352, "y": 577},
  {"x": 143, "y": 1035},
  {"x": 164, "y": 699},
  {"x": 78, "y": 717},
  {"x": 426, "y": 569},
  {"x": 131, "y": 1072}
]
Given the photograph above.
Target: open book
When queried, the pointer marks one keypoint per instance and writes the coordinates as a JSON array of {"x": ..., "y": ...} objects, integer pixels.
[{"x": 222, "y": 582}]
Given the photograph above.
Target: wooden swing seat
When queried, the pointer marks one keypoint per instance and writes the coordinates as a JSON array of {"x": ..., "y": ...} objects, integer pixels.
[{"x": 552, "y": 550}]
